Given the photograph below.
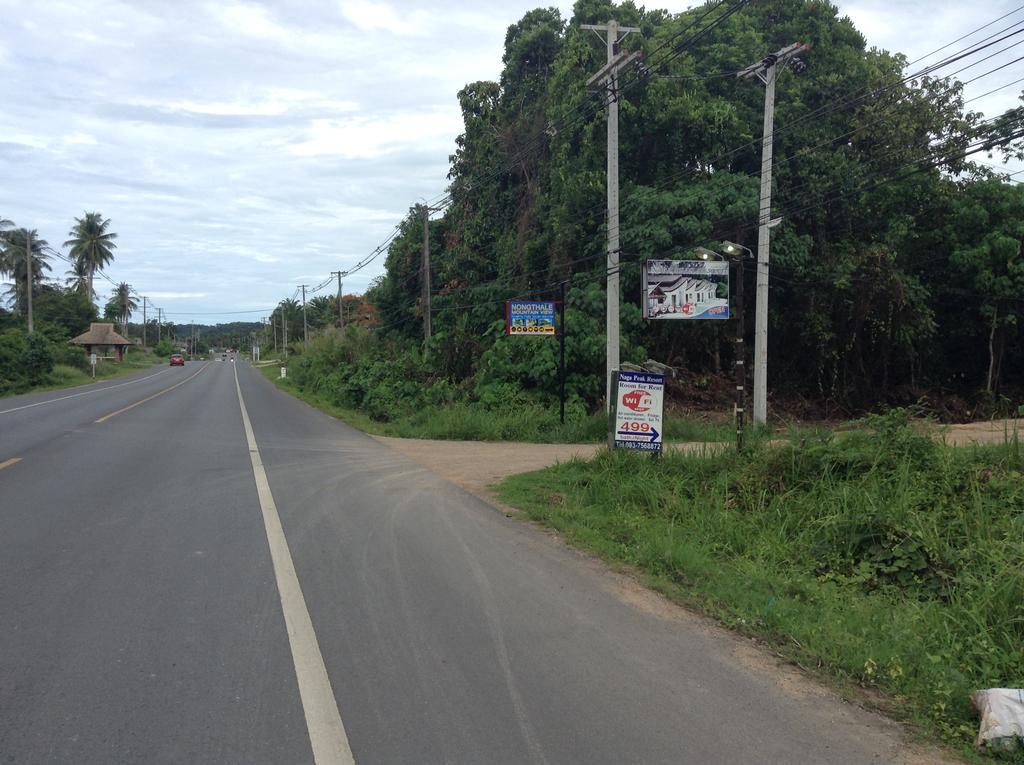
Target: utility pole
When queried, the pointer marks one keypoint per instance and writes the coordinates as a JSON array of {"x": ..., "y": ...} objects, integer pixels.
[
  {"x": 192, "y": 341},
  {"x": 143, "y": 321},
  {"x": 427, "y": 328},
  {"x": 608, "y": 77},
  {"x": 28, "y": 277},
  {"x": 273, "y": 323},
  {"x": 766, "y": 71},
  {"x": 159, "y": 321},
  {"x": 341, "y": 314},
  {"x": 305, "y": 326},
  {"x": 284, "y": 332}
]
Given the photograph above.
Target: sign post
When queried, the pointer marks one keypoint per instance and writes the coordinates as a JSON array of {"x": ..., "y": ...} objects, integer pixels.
[
  {"x": 92, "y": 363},
  {"x": 637, "y": 421},
  {"x": 561, "y": 355}
]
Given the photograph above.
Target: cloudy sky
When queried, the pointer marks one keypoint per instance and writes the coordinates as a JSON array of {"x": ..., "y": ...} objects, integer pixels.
[{"x": 242, "y": 148}]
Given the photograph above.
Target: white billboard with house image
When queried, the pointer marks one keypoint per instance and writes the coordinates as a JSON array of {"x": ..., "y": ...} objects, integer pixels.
[{"x": 686, "y": 289}]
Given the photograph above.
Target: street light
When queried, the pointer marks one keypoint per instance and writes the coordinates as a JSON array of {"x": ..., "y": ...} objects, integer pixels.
[{"x": 735, "y": 253}]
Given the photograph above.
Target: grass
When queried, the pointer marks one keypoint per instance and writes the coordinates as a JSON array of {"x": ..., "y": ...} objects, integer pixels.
[
  {"x": 474, "y": 422},
  {"x": 884, "y": 558},
  {"x": 66, "y": 376}
]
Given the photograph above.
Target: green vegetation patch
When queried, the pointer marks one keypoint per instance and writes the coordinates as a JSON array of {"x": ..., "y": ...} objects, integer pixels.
[
  {"x": 887, "y": 558},
  {"x": 475, "y": 420}
]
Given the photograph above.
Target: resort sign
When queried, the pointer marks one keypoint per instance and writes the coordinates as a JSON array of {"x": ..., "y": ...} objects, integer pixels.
[
  {"x": 637, "y": 411},
  {"x": 534, "y": 318},
  {"x": 686, "y": 289}
]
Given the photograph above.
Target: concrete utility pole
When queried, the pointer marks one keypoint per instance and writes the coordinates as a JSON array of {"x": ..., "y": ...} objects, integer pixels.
[
  {"x": 341, "y": 314},
  {"x": 305, "y": 326},
  {"x": 284, "y": 332},
  {"x": 608, "y": 77},
  {"x": 143, "y": 321},
  {"x": 766, "y": 71},
  {"x": 427, "y": 328},
  {"x": 159, "y": 321},
  {"x": 28, "y": 277}
]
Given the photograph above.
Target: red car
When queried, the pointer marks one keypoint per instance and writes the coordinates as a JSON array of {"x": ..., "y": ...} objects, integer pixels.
[{"x": 177, "y": 360}]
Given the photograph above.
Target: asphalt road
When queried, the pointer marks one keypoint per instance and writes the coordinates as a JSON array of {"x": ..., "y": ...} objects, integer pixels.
[{"x": 161, "y": 603}]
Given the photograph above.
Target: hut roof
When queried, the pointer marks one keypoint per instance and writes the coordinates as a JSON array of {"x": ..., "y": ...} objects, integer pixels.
[{"x": 100, "y": 334}]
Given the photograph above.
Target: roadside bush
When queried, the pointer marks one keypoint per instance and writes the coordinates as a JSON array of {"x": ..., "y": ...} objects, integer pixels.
[
  {"x": 25, "y": 360},
  {"x": 71, "y": 356},
  {"x": 38, "y": 359},
  {"x": 164, "y": 348}
]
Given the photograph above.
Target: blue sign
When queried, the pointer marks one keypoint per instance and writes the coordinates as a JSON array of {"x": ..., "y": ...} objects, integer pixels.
[{"x": 530, "y": 317}]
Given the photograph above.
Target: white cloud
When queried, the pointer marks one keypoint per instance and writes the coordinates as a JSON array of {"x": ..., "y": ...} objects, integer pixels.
[
  {"x": 371, "y": 137},
  {"x": 79, "y": 139},
  {"x": 249, "y": 21},
  {"x": 275, "y": 102},
  {"x": 369, "y": 16},
  {"x": 159, "y": 295}
]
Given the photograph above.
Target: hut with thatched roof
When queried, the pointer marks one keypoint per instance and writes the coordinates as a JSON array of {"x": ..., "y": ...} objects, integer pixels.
[{"x": 102, "y": 340}]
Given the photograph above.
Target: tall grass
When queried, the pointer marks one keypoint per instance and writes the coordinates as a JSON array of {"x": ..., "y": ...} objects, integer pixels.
[
  {"x": 477, "y": 421},
  {"x": 889, "y": 559}
]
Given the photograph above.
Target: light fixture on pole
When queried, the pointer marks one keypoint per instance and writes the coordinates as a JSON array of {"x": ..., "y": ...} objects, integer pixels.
[{"x": 738, "y": 254}]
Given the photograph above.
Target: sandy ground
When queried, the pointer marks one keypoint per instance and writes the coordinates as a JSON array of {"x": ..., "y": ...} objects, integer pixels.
[{"x": 992, "y": 432}]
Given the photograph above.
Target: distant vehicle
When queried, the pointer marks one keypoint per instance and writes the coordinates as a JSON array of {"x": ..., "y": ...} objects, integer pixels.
[{"x": 177, "y": 360}]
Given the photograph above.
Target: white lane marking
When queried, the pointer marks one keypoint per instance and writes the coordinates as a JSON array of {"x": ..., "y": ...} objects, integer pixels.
[
  {"x": 83, "y": 393},
  {"x": 323, "y": 721}
]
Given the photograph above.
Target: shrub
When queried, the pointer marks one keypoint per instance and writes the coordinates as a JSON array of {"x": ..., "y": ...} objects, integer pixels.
[{"x": 164, "y": 348}]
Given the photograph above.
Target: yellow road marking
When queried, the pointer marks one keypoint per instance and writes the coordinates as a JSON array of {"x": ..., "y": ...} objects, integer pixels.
[
  {"x": 8, "y": 463},
  {"x": 106, "y": 417}
]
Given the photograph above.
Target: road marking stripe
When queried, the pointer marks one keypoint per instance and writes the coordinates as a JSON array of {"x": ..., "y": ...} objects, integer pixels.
[
  {"x": 323, "y": 721},
  {"x": 84, "y": 393},
  {"x": 8, "y": 463},
  {"x": 106, "y": 417}
]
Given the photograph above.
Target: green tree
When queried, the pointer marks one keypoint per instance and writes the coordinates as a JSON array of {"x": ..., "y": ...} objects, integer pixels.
[
  {"x": 121, "y": 305},
  {"x": 77, "y": 277},
  {"x": 66, "y": 309},
  {"x": 92, "y": 244},
  {"x": 13, "y": 264},
  {"x": 987, "y": 227}
]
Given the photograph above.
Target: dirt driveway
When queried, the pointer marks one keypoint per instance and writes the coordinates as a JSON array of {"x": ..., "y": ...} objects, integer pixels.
[{"x": 477, "y": 465}]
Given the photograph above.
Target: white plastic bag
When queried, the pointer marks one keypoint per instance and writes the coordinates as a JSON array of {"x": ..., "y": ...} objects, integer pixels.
[{"x": 1002, "y": 716}]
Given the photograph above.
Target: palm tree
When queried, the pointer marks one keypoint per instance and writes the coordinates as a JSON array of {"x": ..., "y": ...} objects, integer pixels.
[
  {"x": 13, "y": 263},
  {"x": 121, "y": 305},
  {"x": 91, "y": 243},
  {"x": 77, "y": 277}
]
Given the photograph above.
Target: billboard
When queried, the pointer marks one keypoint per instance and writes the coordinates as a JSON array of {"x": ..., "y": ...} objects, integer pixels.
[
  {"x": 686, "y": 289},
  {"x": 530, "y": 317},
  {"x": 639, "y": 400}
]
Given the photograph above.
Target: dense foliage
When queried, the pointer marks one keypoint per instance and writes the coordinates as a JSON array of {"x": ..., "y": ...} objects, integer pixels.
[{"x": 897, "y": 266}]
